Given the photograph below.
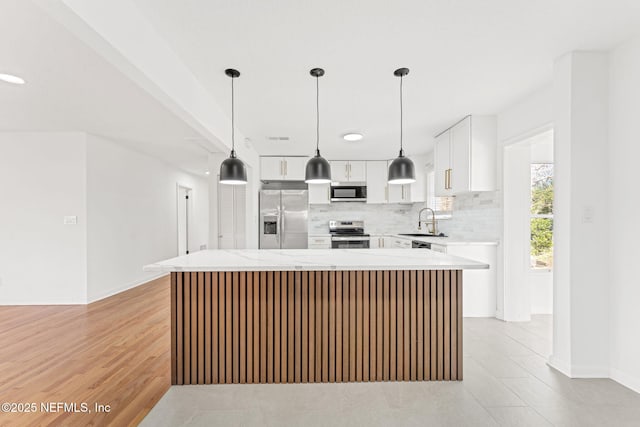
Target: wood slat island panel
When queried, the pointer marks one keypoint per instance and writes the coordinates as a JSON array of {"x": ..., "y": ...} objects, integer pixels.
[{"x": 316, "y": 326}]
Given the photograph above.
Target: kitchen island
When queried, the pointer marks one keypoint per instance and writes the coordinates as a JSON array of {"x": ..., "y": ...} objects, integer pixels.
[{"x": 335, "y": 315}]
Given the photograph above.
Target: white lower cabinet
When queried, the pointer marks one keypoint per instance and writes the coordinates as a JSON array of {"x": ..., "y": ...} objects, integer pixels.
[
  {"x": 377, "y": 241},
  {"x": 319, "y": 242},
  {"x": 479, "y": 293},
  {"x": 400, "y": 243}
]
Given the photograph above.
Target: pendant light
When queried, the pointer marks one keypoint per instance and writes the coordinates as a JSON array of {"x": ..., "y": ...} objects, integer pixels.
[
  {"x": 232, "y": 170},
  {"x": 401, "y": 170},
  {"x": 318, "y": 170}
]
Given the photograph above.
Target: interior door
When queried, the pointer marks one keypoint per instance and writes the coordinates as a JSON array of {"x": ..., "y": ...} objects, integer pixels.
[
  {"x": 183, "y": 211},
  {"x": 226, "y": 238},
  {"x": 294, "y": 219},
  {"x": 239, "y": 216}
]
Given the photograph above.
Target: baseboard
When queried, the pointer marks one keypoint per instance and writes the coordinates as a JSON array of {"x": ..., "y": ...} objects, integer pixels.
[
  {"x": 625, "y": 379},
  {"x": 125, "y": 287},
  {"x": 578, "y": 371},
  {"x": 559, "y": 365},
  {"x": 590, "y": 372}
]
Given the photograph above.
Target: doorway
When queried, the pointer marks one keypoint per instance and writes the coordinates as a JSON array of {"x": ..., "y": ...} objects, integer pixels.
[
  {"x": 528, "y": 226},
  {"x": 232, "y": 216},
  {"x": 183, "y": 209}
]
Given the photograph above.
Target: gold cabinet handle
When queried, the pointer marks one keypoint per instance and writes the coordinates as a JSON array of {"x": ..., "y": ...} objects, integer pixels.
[
  {"x": 446, "y": 177},
  {"x": 285, "y": 168},
  {"x": 281, "y": 168}
]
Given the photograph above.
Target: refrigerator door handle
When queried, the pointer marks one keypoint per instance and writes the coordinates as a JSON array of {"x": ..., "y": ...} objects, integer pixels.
[{"x": 282, "y": 230}]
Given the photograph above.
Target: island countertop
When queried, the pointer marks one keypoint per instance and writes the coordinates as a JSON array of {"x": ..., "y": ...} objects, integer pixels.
[{"x": 314, "y": 260}]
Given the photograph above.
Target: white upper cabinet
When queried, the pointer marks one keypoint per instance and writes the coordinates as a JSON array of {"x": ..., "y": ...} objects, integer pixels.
[
  {"x": 377, "y": 181},
  {"x": 465, "y": 157},
  {"x": 357, "y": 171},
  {"x": 410, "y": 193},
  {"x": 442, "y": 164},
  {"x": 348, "y": 171},
  {"x": 399, "y": 193},
  {"x": 282, "y": 168}
]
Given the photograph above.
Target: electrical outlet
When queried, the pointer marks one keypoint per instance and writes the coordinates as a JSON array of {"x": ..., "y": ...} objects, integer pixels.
[{"x": 203, "y": 247}]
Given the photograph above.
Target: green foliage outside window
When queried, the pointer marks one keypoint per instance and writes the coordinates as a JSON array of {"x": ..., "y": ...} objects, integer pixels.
[{"x": 542, "y": 204}]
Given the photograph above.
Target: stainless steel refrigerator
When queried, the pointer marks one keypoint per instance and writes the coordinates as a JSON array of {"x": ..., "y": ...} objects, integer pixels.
[{"x": 283, "y": 219}]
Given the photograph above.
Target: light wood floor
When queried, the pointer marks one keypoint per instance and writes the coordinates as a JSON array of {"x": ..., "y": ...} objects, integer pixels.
[{"x": 113, "y": 352}]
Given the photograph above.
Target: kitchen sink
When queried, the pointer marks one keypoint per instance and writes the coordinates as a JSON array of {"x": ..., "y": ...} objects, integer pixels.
[{"x": 421, "y": 235}]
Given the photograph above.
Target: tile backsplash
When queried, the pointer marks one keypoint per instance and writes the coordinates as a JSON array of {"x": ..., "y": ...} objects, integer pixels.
[
  {"x": 378, "y": 218},
  {"x": 475, "y": 215}
]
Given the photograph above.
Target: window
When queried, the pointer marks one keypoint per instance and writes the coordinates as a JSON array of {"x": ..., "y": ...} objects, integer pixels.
[
  {"x": 541, "y": 221},
  {"x": 441, "y": 205}
]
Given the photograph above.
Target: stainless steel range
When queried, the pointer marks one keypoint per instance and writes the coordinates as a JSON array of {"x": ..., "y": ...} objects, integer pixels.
[{"x": 348, "y": 235}]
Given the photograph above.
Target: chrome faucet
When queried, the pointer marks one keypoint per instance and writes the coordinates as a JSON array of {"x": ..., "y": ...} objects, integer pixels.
[{"x": 433, "y": 222}]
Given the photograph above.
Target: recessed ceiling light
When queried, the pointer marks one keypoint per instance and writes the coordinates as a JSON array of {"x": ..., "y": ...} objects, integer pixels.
[
  {"x": 351, "y": 137},
  {"x": 9, "y": 78},
  {"x": 207, "y": 172}
]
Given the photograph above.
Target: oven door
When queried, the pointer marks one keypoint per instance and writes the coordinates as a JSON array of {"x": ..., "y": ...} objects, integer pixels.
[{"x": 351, "y": 242}]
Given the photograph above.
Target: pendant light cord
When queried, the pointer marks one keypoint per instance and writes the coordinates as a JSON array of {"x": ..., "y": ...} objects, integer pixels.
[
  {"x": 317, "y": 115},
  {"x": 401, "y": 151},
  {"x": 233, "y": 127}
]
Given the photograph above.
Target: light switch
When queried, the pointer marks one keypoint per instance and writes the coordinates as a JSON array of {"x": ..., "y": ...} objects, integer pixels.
[
  {"x": 70, "y": 220},
  {"x": 587, "y": 215}
]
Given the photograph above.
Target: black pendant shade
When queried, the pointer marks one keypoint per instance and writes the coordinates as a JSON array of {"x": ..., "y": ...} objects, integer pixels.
[
  {"x": 318, "y": 170},
  {"x": 233, "y": 170},
  {"x": 401, "y": 170}
]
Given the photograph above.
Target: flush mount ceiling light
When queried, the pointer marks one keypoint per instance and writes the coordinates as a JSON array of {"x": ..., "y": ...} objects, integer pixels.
[
  {"x": 401, "y": 170},
  {"x": 352, "y": 137},
  {"x": 232, "y": 170},
  {"x": 10, "y": 78},
  {"x": 318, "y": 170}
]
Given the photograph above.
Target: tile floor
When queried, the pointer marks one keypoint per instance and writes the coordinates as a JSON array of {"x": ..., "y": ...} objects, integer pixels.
[{"x": 506, "y": 383}]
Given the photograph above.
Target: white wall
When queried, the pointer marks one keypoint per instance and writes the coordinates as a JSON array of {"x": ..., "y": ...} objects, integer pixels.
[
  {"x": 126, "y": 208},
  {"x": 581, "y": 245},
  {"x": 132, "y": 210},
  {"x": 624, "y": 204},
  {"x": 525, "y": 118},
  {"x": 42, "y": 179}
]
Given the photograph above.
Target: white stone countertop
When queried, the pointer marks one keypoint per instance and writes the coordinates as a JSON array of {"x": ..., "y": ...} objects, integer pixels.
[
  {"x": 314, "y": 260},
  {"x": 448, "y": 241}
]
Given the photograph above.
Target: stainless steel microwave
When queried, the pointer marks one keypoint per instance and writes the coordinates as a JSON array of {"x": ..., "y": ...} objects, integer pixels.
[{"x": 348, "y": 192}]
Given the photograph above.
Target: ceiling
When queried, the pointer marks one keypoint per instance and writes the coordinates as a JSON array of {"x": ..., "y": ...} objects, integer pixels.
[
  {"x": 465, "y": 56},
  {"x": 71, "y": 88}
]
